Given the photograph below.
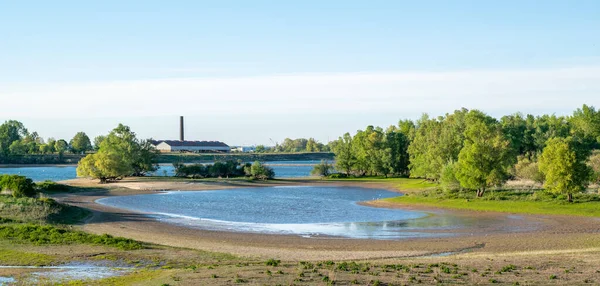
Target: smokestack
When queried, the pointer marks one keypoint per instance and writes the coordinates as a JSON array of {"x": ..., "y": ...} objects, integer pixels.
[{"x": 181, "y": 128}]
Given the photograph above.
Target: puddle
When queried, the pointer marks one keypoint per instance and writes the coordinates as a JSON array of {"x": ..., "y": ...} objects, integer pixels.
[
  {"x": 89, "y": 270},
  {"x": 7, "y": 280}
]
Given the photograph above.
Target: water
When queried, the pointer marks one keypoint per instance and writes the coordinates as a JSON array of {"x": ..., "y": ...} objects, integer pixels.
[
  {"x": 299, "y": 210},
  {"x": 283, "y": 169},
  {"x": 38, "y": 174},
  {"x": 87, "y": 270}
]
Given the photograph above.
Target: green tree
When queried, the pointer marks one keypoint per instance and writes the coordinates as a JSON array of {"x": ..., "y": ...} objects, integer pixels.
[
  {"x": 435, "y": 143},
  {"x": 586, "y": 124},
  {"x": 260, "y": 149},
  {"x": 19, "y": 186},
  {"x": 261, "y": 172},
  {"x": 80, "y": 143},
  {"x": 61, "y": 146},
  {"x": 528, "y": 169},
  {"x": 98, "y": 141},
  {"x": 11, "y": 131},
  {"x": 344, "y": 158},
  {"x": 120, "y": 154},
  {"x": 483, "y": 160},
  {"x": 322, "y": 169},
  {"x": 104, "y": 165},
  {"x": 594, "y": 163},
  {"x": 563, "y": 163},
  {"x": 50, "y": 145}
]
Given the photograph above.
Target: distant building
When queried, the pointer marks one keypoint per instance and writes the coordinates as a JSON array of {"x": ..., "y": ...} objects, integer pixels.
[
  {"x": 190, "y": 146},
  {"x": 244, "y": 149}
]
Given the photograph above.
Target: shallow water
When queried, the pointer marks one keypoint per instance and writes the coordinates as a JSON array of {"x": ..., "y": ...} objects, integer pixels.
[
  {"x": 283, "y": 169},
  {"x": 300, "y": 210},
  {"x": 89, "y": 270}
]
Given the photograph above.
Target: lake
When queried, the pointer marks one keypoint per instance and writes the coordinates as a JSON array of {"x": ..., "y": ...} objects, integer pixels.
[
  {"x": 283, "y": 169},
  {"x": 308, "y": 211}
]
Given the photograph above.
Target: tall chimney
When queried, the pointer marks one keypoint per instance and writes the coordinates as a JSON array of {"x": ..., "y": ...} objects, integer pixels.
[{"x": 181, "y": 128}]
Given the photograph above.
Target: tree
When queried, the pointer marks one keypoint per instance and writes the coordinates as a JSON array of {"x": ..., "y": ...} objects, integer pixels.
[
  {"x": 80, "y": 143},
  {"x": 11, "y": 131},
  {"x": 344, "y": 158},
  {"x": 61, "y": 146},
  {"x": 103, "y": 165},
  {"x": 586, "y": 124},
  {"x": 528, "y": 169},
  {"x": 261, "y": 172},
  {"x": 594, "y": 163},
  {"x": 260, "y": 149},
  {"x": 98, "y": 141},
  {"x": 435, "y": 143},
  {"x": 322, "y": 169},
  {"x": 564, "y": 167},
  {"x": 19, "y": 186},
  {"x": 483, "y": 160},
  {"x": 120, "y": 154}
]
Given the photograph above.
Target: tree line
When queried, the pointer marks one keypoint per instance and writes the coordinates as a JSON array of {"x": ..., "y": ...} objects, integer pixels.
[
  {"x": 472, "y": 150},
  {"x": 294, "y": 146},
  {"x": 16, "y": 140}
]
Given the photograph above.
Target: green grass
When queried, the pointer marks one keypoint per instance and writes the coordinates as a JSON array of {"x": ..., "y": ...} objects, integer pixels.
[
  {"x": 402, "y": 184},
  {"x": 47, "y": 235},
  {"x": 15, "y": 257},
  {"x": 525, "y": 204},
  {"x": 42, "y": 210}
]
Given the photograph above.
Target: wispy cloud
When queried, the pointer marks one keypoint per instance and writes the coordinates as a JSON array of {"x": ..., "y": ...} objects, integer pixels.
[{"x": 363, "y": 94}]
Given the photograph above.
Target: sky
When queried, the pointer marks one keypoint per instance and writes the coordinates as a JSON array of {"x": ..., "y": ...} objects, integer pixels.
[{"x": 256, "y": 72}]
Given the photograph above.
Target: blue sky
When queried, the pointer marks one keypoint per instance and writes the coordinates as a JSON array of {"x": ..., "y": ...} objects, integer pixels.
[{"x": 248, "y": 72}]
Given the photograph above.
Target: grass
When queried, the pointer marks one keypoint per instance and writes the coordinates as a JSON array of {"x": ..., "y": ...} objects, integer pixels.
[
  {"x": 508, "y": 201},
  {"x": 47, "y": 235},
  {"x": 402, "y": 184},
  {"x": 15, "y": 257},
  {"x": 40, "y": 210}
]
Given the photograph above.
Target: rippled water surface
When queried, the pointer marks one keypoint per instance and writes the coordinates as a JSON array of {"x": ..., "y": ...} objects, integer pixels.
[
  {"x": 283, "y": 169},
  {"x": 300, "y": 210}
]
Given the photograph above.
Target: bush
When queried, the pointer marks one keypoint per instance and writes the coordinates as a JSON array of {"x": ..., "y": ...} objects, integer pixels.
[
  {"x": 322, "y": 169},
  {"x": 20, "y": 186},
  {"x": 594, "y": 163},
  {"x": 448, "y": 180},
  {"x": 261, "y": 172},
  {"x": 50, "y": 186},
  {"x": 528, "y": 169},
  {"x": 44, "y": 235},
  {"x": 338, "y": 176},
  {"x": 216, "y": 170}
]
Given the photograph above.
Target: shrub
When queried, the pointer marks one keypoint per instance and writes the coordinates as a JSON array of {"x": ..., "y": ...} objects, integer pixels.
[
  {"x": 50, "y": 186},
  {"x": 261, "y": 172},
  {"x": 19, "y": 186},
  {"x": 594, "y": 163},
  {"x": 46, "y": 234},
  {"x": 338, "y": 176},
  {"x": 448, "y": 179},
  {"x": 528, "y": 169},
  {"x": 322, "y": 169},
  {"x": 272, "y": 262}
]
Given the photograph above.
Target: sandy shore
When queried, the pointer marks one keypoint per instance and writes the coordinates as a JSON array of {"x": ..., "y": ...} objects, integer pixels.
[{"x": 496, "y": 235}]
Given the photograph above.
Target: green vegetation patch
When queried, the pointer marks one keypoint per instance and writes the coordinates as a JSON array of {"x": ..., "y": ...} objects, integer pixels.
[
  {"x": 15, "y": 257},
  {"x": 401, "y": 184},
  {"x": 511, "y": 201},
  {"x": 46, "y": 234},
  {"x": 40, "y": 210}
]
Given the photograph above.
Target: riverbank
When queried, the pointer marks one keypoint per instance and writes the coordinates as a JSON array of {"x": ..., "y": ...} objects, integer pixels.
[
  {"x": 560, "y": 250},
  {"x": 564, "y": 232}
]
